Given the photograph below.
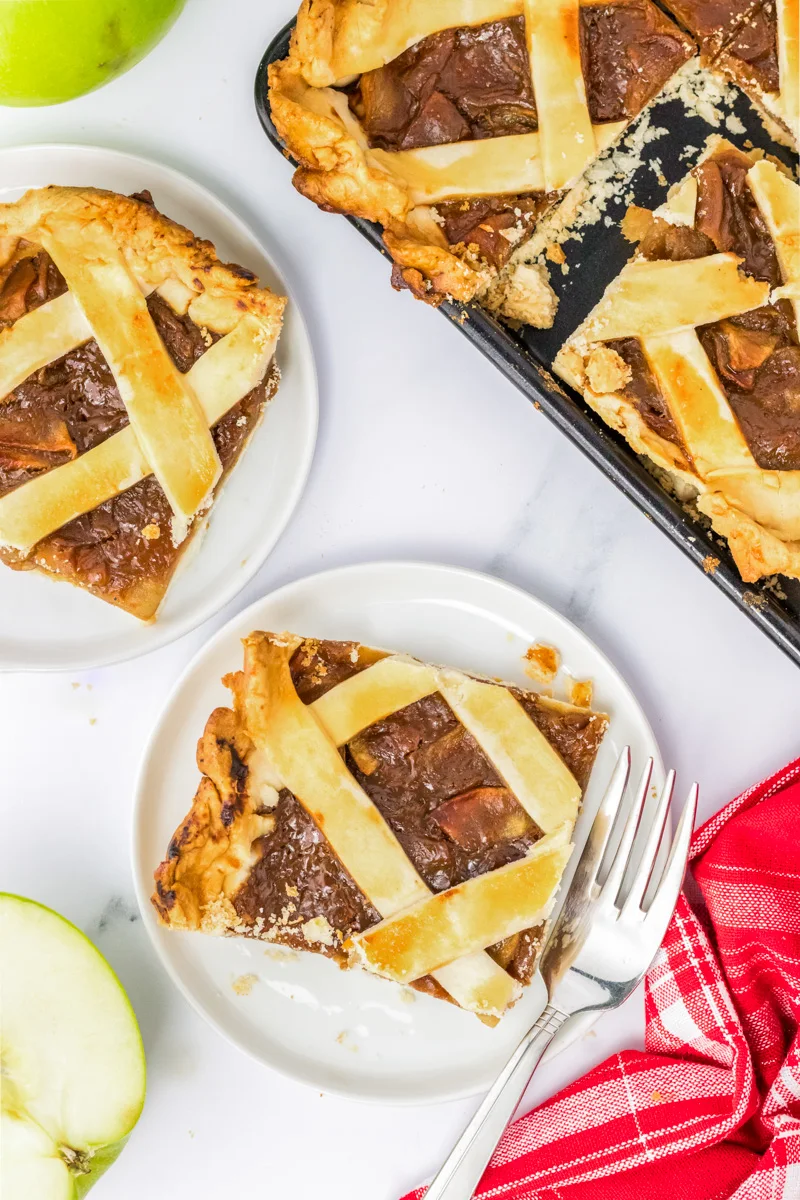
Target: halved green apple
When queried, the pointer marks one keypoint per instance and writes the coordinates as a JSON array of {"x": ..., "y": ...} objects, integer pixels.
[{"x": 72, "y": 1067}]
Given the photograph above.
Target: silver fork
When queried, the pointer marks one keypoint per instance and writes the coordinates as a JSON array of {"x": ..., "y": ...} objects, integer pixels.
[{"x": 600, "y": 946}]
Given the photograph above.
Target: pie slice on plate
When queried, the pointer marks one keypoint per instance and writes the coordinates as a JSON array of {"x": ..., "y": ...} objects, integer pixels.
[
  {"x": 409, "y": 819},
  {"x": 134, "y": 367},
  {"x": 455, "y": 125},
  {"x": 692, "y": 354}
]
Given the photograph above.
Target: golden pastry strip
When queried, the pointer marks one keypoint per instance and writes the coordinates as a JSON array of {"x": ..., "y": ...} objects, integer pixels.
[
  {"x": 496, "y": 166},
  {"x": 788, "y": 13},
  {"x": 480, "y": 912},
  {"x": 698, "y": 404},
  {"x": 779, "y": 202},
  {"x": 519, "y": 752},
  {"x": 371, "y": 695},
  {"x": 165, "y": 416},
  {"x": 516, "y": 748},
  {"x": 712, "y": 434},
  {"x": 660, "y": 297},
  {"x": 308, "y": 763},
  {"x": 354, "y": 36},
  {"x": 230, "y": 369},
  {"x": 39, "y": 338},
  {"x": 554, "y": 46}
]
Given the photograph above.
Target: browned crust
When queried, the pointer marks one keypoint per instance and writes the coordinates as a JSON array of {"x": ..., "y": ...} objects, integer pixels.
[
  {"x": 155, "y": 249},
  {"x": 333, "y": 171},
  {"x": 333, "y": 168},
  {"x": 210, "y": 852}
]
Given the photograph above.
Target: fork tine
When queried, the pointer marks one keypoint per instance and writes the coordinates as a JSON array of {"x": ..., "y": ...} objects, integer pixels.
[
  {"x": 647, "y": 863},
  {"x": 619, "y": 866},
  {"x": 603, "y": 823},
  {"x": 660, "y": 911}
]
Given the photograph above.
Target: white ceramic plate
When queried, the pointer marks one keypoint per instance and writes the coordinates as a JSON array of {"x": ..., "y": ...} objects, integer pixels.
[
  {"x": 48, "y": 625},
  {"x": 346, "y": 1031}
]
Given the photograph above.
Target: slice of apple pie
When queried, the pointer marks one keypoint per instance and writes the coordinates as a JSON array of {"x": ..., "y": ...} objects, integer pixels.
[
  {"x": 410, "y": 819},
  {"x": 134, "y": 367}
]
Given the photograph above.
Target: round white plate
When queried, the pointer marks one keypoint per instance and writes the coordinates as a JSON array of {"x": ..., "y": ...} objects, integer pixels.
[
  {"x": 48, "y": 625},
  {"x": 345, "y": 1031}
]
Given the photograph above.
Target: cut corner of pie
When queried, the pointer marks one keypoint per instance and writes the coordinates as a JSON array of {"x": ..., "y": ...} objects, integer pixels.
[
  {"x": 692, "y": 353},
  {"x": 405, "y": 818},
  {"x": 134, "y": 368},
  {"x": 763, "y": 58},
  {"x": 456, "y": 126}
]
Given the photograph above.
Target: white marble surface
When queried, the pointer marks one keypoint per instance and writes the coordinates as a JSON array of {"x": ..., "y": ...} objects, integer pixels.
[{"x": 424, "y": 452}]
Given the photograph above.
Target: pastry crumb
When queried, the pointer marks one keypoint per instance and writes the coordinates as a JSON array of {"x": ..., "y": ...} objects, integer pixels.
[
  {"x": 542, "y": 662},
  {"x": 607, "y": 371},
  {"x": 244, "y": 984},
  {"x": 528, "y": 296},
  {"x": 555, "y": 253},
  {"x": 710, "y": 564},
  {"x": 151, "y": 532},
  {"x": 280, "y": 953},
  {"x": 581, "y": 692},
  {"x": 292, "y": 891},
  {"x": 733, "y": 123},
  {"x": 317, "y": 930},
  {"x": 754, "y": 600},
  {"x": 636, "y": 223}
]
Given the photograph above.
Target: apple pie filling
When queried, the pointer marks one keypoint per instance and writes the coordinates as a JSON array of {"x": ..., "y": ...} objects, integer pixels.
[
  {"x": 72, "y": 405},
  {"x": 755, "y": 49},
  {"x": 755, "y": 354}
]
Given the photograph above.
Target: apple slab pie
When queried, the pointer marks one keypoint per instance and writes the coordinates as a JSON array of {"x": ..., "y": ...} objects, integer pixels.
[
  {"x": 692, "y": 353},
  {"x": 134, "y": 367},
  {"x": 454, "y": 125},
  {"x": 405, "y": 818}
]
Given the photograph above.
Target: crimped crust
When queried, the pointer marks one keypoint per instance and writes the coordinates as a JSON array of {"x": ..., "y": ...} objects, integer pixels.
[
  {"x": 335, "y": 41},
  {"x": 161, "y": 254},
  {"x": 335, "y": 172}
]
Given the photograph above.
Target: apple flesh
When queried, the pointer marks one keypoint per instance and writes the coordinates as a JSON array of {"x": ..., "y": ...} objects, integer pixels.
[
  {"x": 72, "y": 1068},
  {"x": 53, "y": 50}
]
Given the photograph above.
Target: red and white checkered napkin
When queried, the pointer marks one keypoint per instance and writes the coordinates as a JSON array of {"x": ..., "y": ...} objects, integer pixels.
[{"x": 711, "y": 1109}]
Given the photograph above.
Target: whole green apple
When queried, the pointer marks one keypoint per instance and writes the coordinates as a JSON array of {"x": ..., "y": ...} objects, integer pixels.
[{"x": 53, "y": 50}]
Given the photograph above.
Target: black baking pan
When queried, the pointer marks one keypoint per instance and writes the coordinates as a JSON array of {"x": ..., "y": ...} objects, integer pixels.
[{"x": 524, "y": 356}]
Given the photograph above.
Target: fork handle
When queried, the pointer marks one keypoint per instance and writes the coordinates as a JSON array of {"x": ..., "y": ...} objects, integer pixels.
[{"x": 462, "y": 1170}]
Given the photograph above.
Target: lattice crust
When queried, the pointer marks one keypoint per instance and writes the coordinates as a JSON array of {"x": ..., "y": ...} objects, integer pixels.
[
  {"x": 662, "y": 303},
  {"x": 114, "y": 251},
  {"x": 336, "y": 41},
  {"x": 284, "y": 743}
]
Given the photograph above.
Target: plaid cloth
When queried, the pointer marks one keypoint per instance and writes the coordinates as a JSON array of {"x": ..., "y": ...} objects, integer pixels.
[{"x": 710, "y": 1110}]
